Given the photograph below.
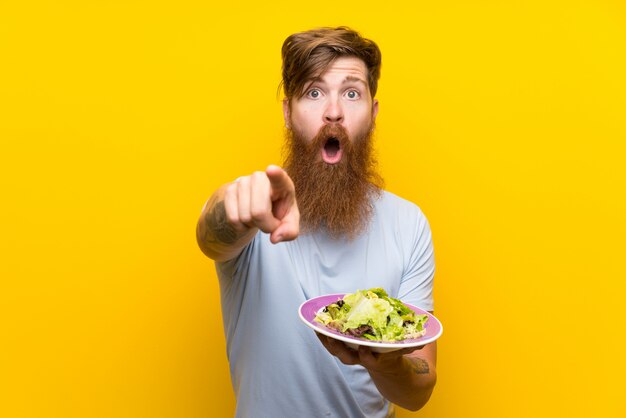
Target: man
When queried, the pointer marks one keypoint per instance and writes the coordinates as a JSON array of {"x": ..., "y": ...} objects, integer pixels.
[{"x": 322, "y": 225}]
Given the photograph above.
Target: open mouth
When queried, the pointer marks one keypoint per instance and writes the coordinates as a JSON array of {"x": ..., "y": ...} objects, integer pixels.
[{"x": 331, "y": 151}]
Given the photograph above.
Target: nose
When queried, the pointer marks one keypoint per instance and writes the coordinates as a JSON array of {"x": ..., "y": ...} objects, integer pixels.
[{"x": 333, "y": 112}]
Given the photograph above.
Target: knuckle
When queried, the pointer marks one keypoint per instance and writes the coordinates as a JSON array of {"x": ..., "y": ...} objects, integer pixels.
[
  {"x": 258, "y": 214},
  {"x": 231, "y": 189},
  {"x": 233, "y": 219},
  {"x": 243, "y": 181},
  {"x": 258, "y": 176},
  {"x": 231, "y": 213},
  {"x": 245, "y": 218}
]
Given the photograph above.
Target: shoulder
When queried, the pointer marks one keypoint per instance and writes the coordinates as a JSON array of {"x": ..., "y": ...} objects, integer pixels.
[
  {"x": 394, "y": 213},
  {"x": 390, "y": 204}
]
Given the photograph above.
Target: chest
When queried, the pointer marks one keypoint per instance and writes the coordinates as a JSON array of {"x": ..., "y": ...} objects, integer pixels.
[{"x": 323, "y": 267}]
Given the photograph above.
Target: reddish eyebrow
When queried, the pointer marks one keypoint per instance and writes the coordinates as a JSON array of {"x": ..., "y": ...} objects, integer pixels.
[
  {"x": 348, "y": 79},
  {"x": 353, "y": 78}
]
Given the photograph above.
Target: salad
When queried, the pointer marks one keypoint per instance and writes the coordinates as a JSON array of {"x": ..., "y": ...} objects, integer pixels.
[{"x": 373, "y": 315}]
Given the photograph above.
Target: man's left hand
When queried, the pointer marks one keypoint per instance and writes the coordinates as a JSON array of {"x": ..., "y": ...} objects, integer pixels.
[{"x": 374, "y": 362}]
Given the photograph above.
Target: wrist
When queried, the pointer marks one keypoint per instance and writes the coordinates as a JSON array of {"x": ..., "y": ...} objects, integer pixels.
[{"x": 398, "y": 367}]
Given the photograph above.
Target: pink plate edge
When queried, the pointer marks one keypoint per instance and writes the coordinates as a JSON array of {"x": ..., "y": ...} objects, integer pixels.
[{"x": 309, "y": 308}]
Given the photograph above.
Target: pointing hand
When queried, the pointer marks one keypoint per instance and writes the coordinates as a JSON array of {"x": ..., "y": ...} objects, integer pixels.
[{"x": 264, "y": 200}]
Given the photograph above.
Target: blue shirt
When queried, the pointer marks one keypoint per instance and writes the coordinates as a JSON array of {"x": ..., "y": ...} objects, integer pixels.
[{"x": 278, "y": 366}]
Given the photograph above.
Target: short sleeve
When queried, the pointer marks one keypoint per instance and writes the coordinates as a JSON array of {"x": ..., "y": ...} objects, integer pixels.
[
  {"x": 416, "y": 284},
  {"x": 233, "y": 274}
]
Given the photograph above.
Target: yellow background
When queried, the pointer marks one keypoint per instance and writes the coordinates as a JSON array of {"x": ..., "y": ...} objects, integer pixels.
[{"x": 504, "y": 121}]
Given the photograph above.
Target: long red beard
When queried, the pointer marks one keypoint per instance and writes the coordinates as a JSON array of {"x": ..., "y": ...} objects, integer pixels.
[{"x": 335, "y": 197}]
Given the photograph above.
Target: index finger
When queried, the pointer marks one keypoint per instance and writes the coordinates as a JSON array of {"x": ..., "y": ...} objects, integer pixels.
[{"x": 279, "y": 179}]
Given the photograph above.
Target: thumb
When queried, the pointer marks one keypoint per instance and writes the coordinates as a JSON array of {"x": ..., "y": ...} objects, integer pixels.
[{"x": 288, "y": 230}]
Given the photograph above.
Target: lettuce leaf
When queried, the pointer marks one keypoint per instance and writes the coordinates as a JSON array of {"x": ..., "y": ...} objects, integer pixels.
[{"x": 386, "y": 318}]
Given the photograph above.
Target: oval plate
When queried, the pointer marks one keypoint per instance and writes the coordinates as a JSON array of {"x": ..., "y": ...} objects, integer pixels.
[{"x": 309, "y": 309}]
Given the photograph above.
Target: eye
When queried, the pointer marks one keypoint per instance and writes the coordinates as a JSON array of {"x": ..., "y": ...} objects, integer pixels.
[
  {"x": 353, "y": 94},
  {"x": 313, "y": 93}
]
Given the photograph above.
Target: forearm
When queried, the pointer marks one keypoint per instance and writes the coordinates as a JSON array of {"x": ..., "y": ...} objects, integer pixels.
[
  {"x": 409, "y": 384},
  {"x": 217, "y": 238}
]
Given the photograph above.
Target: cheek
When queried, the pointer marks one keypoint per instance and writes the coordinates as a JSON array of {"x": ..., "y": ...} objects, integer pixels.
[
  {"x": 361, "y": 124},
  {"x": 305, "y": 122}
]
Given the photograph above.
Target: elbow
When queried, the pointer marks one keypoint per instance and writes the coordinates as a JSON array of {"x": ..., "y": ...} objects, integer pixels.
[
  {"x": 202, "y": 239},
  {"x": 215, "y": 251},
  {"x": 422, "y": 397},
  {"x": 418, "y": 404}
]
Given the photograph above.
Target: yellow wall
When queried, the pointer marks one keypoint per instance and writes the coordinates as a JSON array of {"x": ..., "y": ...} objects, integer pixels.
[{"x": 504, "y": 121}]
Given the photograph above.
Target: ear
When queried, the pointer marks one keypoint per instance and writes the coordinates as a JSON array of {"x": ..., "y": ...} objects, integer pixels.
[
  {"x": 286, "y": 112},
  {"x": 374, "y": 109}
]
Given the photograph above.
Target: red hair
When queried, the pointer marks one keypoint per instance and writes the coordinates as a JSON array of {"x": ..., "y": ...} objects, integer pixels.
[{"x": 306, "y": 55}]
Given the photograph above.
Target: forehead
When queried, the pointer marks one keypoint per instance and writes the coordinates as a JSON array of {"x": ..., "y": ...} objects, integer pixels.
[{"x": 346, "y": 67}]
